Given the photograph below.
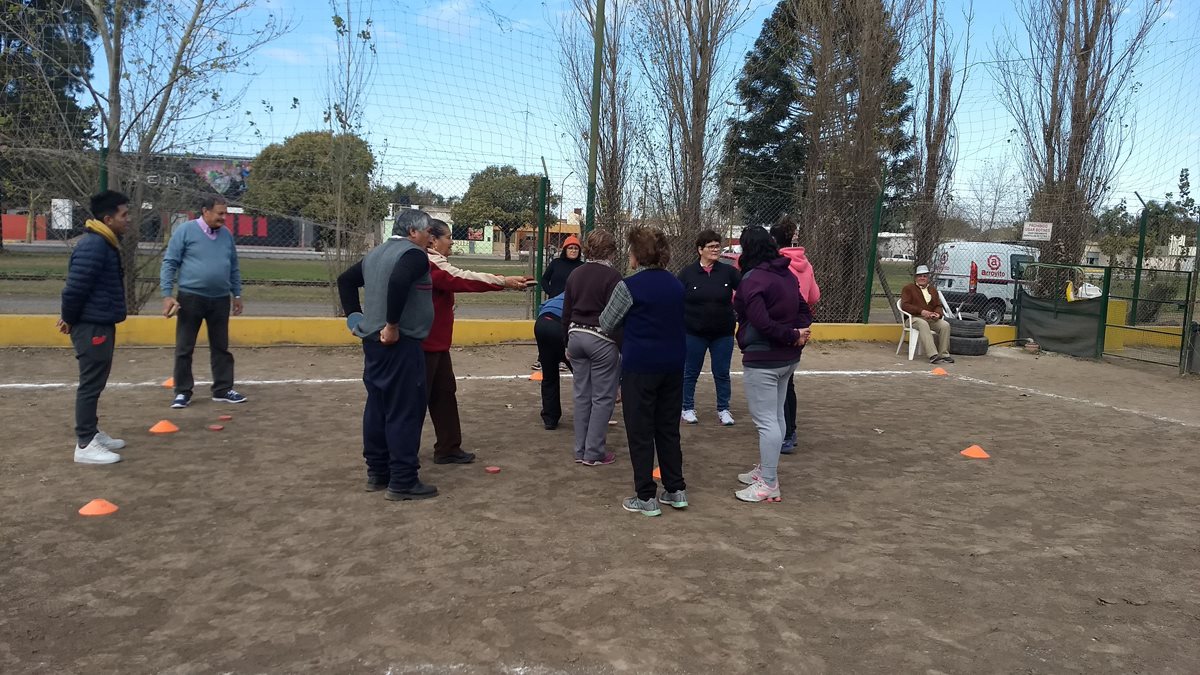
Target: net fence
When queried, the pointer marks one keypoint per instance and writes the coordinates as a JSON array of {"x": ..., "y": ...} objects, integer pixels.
[{"x": 317, "y": 121}]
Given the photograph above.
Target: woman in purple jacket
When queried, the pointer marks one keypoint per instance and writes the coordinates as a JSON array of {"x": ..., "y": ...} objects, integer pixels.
[{"x": 773, "y": 326}]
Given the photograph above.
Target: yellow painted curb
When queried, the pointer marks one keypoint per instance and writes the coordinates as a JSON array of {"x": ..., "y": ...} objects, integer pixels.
[{"x": 37, "y": 330}]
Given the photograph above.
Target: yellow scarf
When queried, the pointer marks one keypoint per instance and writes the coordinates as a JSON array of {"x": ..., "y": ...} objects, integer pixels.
[{"x": 103, "y": 230}]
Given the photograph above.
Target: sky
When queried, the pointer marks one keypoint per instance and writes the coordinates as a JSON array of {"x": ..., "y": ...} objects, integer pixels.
[{"x": 461, "y": 84}]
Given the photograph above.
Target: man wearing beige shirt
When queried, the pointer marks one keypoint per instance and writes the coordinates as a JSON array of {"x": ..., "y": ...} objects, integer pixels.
[{"x": 925, "y": 305}]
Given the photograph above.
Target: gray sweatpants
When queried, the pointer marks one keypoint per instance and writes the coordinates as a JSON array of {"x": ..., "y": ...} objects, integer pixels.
[
  {"x": 766, "y": 393},
  {"x": 596, "y": 364}
]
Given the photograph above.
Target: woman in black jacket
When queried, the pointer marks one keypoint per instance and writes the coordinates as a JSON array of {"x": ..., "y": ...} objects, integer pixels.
[
  {"x": 708, "y": 286},
  {"x": 554, "y": 279}
]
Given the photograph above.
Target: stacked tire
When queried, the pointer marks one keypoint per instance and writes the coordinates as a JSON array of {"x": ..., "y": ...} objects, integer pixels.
[{"x": 966, "y": 335}]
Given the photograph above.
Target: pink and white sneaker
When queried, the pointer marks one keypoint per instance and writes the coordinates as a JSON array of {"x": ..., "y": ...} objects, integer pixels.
[{"x": 758, "y": 491}]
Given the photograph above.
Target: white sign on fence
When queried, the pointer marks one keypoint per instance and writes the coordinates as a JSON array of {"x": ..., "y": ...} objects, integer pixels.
[
  {"x": 60, "y": 214},
  {"x": 1037, "y": 231}
]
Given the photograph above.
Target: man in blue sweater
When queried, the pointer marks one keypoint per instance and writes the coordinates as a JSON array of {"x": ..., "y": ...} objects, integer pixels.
[
  {"x": 202, "y": 258},
  {"x": 93, "y": 303}
]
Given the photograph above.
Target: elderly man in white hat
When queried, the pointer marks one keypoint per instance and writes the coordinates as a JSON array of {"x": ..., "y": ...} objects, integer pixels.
[{"x": 925, "y": 305}]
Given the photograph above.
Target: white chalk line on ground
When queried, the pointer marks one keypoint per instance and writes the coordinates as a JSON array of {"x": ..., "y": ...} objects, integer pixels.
[
  {"x": 1082, "y": 401},
  {"x": 496, "y": 378},
  {"x": 489, "y": 378}
]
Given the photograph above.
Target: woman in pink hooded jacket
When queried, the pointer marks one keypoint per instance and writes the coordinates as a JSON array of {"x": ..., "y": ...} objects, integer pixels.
[{"x": 784, "y": 231}]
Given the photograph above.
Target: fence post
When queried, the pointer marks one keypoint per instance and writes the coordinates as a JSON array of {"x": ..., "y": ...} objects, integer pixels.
[
  {"x": 1137, "y": 272},
  {"x": 1185, "y": 332},
  {"x": 543, "y": 190},
  {"x": 1102, "y": 330},
  {"x": 594, "y": 135},
  {"x": 873, "y": 251}
]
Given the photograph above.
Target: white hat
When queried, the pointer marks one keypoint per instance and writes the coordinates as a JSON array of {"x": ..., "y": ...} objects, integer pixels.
[{"x": 921, "y": 269}]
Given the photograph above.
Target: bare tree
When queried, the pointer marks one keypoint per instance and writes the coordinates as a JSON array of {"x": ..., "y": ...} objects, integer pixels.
[
  {"x": 935, "y": 155},
  {"x": 993, "y": 198},
  {"x": 356, "y": 223},
  {"x": 682, "y": 45},
  {"x": 161, "y": 88},
  {"x": 1068, "y": 81},
  {"x": 617, "y": 111}
]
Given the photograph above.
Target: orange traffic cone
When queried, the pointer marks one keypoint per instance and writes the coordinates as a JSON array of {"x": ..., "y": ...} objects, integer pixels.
[
  {"x": 536, "y": 376},
  {"x": 98, "y": 507},
  {"x": 975, "y": 452},
  {"x": 164, "y": 427},
  {"x": 940, "y": 372},
  {"x": 169, "y": 383},
  {"x": 657, "y": 474}
]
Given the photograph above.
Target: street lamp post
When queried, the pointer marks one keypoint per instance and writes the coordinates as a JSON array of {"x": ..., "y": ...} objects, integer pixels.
[{"x": 561, "y": 189}]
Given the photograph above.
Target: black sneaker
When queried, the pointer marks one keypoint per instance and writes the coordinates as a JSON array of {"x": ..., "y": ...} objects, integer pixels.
[
  {"x": 417, "y": 490},
  {"x": 230, "y": 396},
  {"x": 376, "y": 483},
  {"x": 947, "y": 359},
  {"x": 459, "y": 458},
  {"x": 181, "y": 401},
  {"x": 537, "y": 365}
]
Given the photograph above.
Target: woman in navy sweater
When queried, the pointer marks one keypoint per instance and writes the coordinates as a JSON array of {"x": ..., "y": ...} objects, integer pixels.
[
  {"x": 708, "y": 287},
  {"x": 648, "y": 306}
]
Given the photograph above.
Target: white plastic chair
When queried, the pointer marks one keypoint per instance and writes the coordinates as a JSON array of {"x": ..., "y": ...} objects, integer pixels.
[
  {"x": 908, "y": 331},
  {"x": 946, "y": 306}
]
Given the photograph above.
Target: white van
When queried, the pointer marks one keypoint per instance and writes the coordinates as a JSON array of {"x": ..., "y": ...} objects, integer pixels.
[{"x": 981, "y": 276}]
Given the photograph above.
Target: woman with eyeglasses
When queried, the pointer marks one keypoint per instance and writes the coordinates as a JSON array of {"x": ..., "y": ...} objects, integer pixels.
[{"x": 708, "y": 286}]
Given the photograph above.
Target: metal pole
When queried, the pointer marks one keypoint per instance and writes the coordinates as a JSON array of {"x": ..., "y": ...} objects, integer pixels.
[
  {"x": 1189, "y": 313},
  {"x": 543, "y": 188},
  {"x": 873, "y": 250},
  {"x": 1137, "y": 272},
  {"x": 562, "y": 203},
  {"x": 103, "y": 169},
  {"x": 594, "y": 135},
  {"x": 1185, "y": 331}
]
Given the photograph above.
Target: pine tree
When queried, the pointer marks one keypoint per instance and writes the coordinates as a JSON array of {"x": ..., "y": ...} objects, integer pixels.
[
  {"x": 765, "y": 148},
  {"x": 768, "y": 146},
  {"x": 45, "y": 58}
]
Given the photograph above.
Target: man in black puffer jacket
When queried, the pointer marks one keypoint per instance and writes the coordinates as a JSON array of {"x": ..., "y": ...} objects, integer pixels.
[{"x": 93, "y": 303}]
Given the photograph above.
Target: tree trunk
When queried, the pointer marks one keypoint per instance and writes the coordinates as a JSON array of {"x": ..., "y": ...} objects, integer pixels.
[{"x": 507, "y": 244}]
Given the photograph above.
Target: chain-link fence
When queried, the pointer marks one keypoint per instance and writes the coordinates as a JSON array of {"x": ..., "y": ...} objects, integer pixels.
[{"x": 314, "y": 174}]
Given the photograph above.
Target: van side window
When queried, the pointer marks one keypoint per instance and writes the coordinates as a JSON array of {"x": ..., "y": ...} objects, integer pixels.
[{"x": 1018, "y": 262}]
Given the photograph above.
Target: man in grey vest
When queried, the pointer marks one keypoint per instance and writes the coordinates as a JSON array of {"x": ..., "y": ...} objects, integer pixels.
[{"x": 399, "y": 314}]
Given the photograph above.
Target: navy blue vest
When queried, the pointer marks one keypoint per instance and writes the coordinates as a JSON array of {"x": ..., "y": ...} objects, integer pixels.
[{"x": 654, "y": 340}]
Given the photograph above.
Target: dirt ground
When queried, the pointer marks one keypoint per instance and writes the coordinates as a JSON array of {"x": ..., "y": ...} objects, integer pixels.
[{"x": 1073, "y": 549}]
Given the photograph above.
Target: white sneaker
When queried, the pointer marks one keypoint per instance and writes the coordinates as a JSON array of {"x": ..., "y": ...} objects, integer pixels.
[
  {"x": 109, "y": 442},
  {"x": 95, "y": 453},
  {"x": 725, "y": 417},
  {"x": 689, "y": 417}
]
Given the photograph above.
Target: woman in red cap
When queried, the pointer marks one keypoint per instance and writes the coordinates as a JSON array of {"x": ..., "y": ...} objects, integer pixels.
[{"x": 554, "y": 279}]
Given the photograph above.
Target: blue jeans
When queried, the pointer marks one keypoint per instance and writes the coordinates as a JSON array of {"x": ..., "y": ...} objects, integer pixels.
[{"x": 721, "y": 349}]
